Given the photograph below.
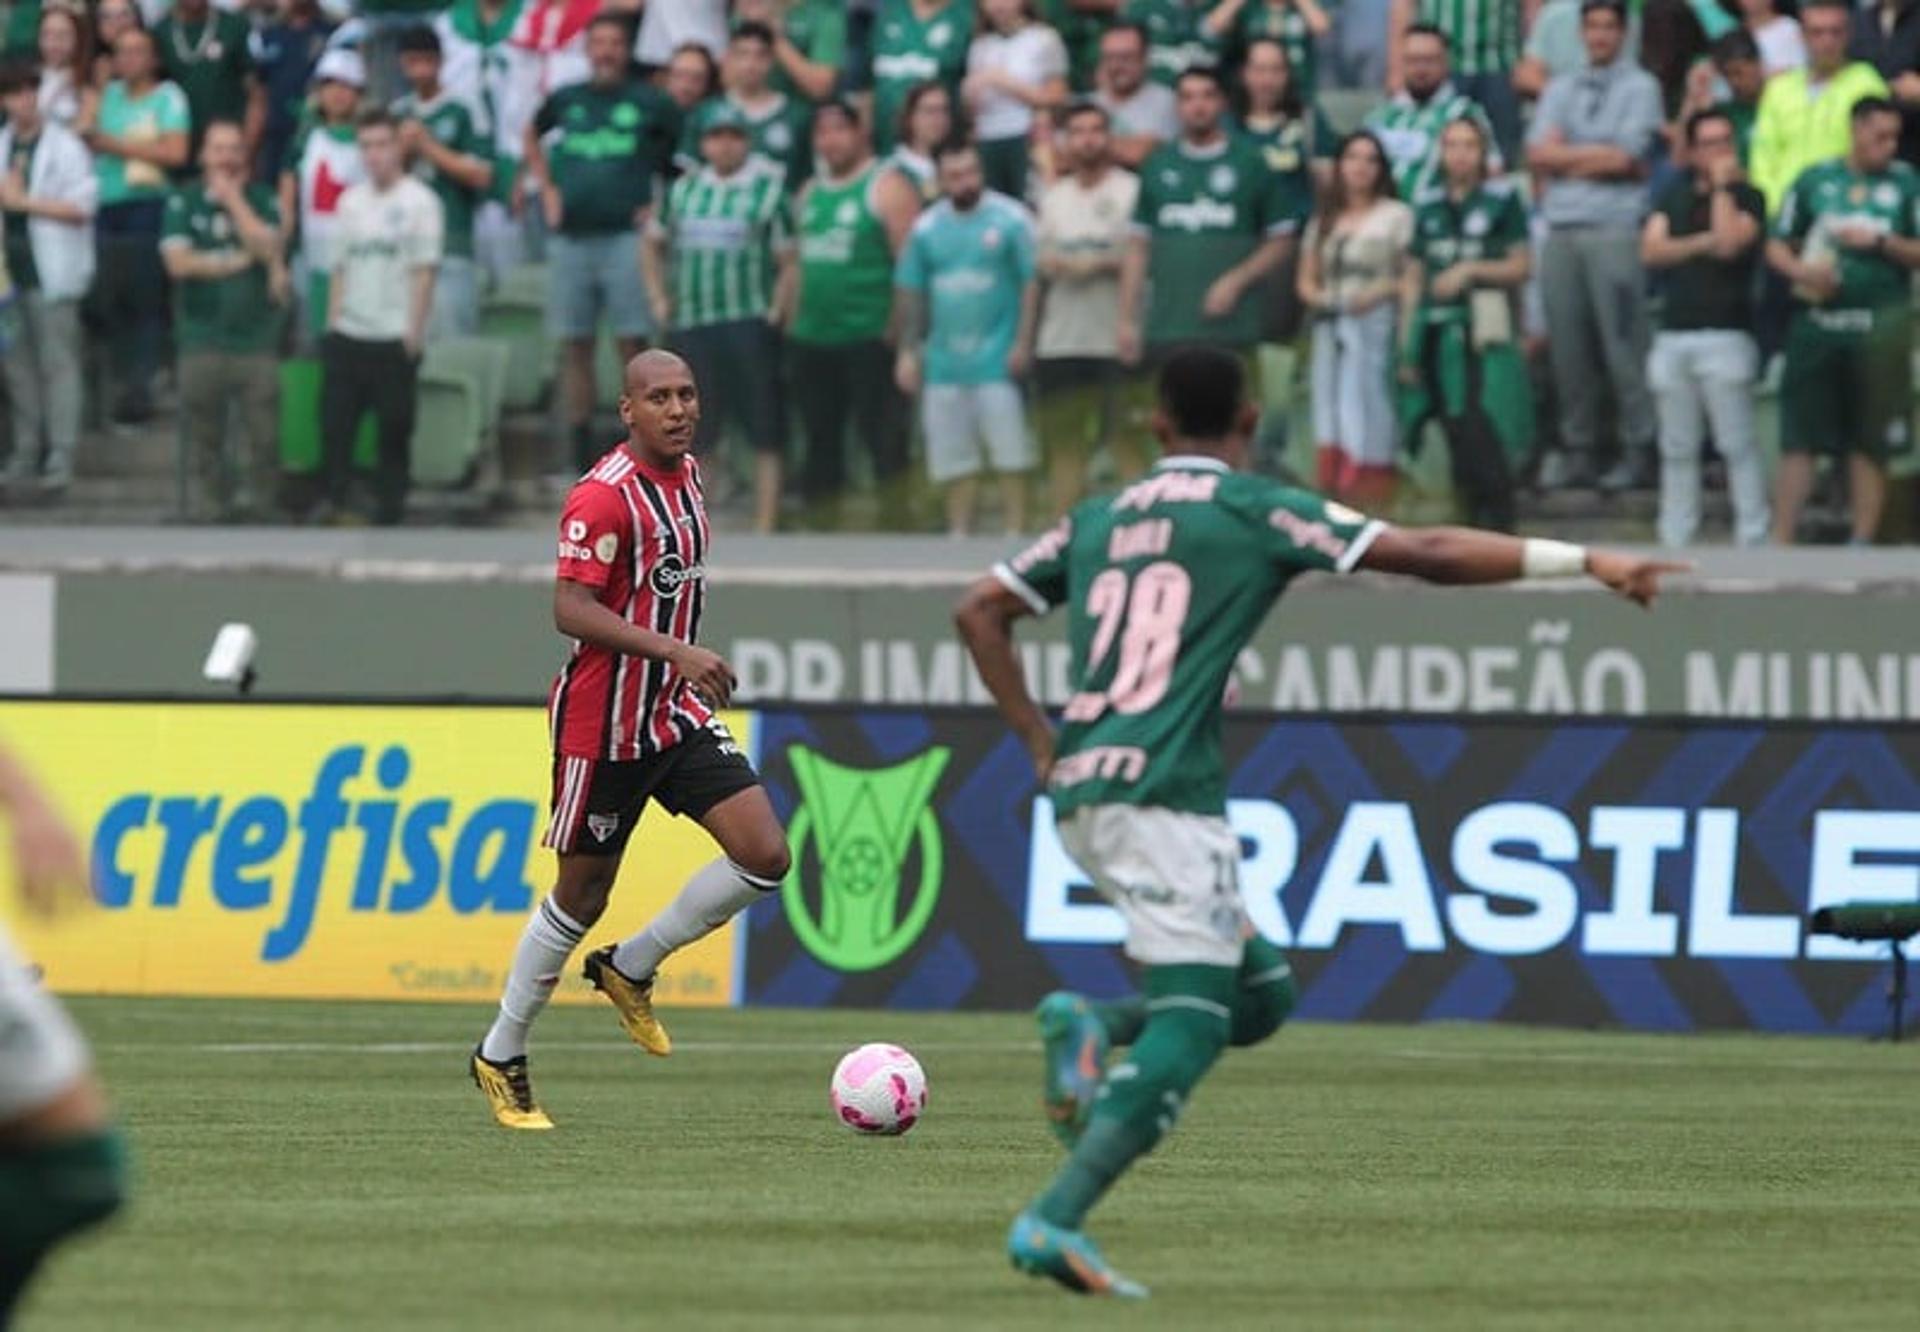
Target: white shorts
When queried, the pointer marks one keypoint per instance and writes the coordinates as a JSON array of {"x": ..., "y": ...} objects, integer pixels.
[
  {"x": 1175, "y": 877},
  {"x": 959, "y": 419},
  {"x": 42, "y": 1054}
]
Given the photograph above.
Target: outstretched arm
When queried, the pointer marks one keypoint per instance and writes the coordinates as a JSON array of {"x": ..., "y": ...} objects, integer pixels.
[
  {"x": 1463, "y": 555},
  {"x": 984, "y": 617}
]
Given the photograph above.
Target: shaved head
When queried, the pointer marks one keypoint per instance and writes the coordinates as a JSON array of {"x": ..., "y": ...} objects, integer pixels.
[
  {"x": 660, "y": 408},
  {"x": 643, "y": 369}
]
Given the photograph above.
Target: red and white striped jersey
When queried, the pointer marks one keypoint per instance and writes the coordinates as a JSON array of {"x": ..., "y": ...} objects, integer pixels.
[{"x": 638, "y": 536}]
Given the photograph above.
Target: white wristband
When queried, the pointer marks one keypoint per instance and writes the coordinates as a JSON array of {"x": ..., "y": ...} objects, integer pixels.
[{"x": 1551, "y": 559}]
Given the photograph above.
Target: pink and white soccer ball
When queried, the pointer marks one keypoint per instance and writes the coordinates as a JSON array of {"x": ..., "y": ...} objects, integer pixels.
[{"x": 879, "y": 1089}]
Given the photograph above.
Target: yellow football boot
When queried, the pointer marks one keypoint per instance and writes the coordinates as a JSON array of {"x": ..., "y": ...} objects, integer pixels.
[
  {"x": 633, "y": 999},
  {"x": 509, "y": 1094}
]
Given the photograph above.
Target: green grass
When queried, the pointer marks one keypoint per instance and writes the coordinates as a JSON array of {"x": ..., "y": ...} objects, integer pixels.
[{"x": 1339, "y": 1177}]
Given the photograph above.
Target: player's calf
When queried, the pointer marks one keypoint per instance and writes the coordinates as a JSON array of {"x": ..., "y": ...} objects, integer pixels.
[
  {"x": 49, "y": 1192},
  {"x": 1267, "y": 993}
]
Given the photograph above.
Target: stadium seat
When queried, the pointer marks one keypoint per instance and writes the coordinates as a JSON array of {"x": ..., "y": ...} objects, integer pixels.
[
  {"x": 515, "y": 314},
  {"x": 484, "y": 363},
  {"x": 300, "y": 420},
  {"x": 448, "y": 428},
  {"x": 487, "y": 360},
  {"x": 524, "y": 284}
]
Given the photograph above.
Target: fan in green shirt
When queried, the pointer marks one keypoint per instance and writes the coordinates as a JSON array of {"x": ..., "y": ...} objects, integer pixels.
[
  {"x": 779, "y": 127},
  {"x": 1177, "y": 37},
  {"x": 597, "y": 146},
  {"x": 445, "y": 144},
  {"x": 205, "y": 51},
  {"x": 225, "y": 298},
  {"x": 1848, "y": 239},
  {"x": 809, "y": 42},
  {"x": 1211, "y": 221},
  {"x": 1296, "y": 24},
  {"x": 915, "y": 42}
]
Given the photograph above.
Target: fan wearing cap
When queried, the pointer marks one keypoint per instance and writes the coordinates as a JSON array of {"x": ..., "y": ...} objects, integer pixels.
[
  {"x": 324, "y": 162},
  {"x": 719, "y": 268}
]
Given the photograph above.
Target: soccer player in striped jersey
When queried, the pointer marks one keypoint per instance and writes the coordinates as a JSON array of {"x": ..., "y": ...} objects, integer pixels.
[
  {"x": 633, "y": 720},
  {"x": 1163, "y": 585}
]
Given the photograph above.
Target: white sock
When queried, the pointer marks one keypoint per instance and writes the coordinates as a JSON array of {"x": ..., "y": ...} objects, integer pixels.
[
  {"x": 713, "y": 896},
  {"x": 545, "y": 945}
]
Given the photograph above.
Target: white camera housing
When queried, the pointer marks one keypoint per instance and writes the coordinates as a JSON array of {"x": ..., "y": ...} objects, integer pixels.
[{"x": 230, "y": 661}]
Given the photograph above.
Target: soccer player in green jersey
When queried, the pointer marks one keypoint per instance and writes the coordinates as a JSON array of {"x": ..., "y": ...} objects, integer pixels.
[
  {"x": 446, "y": 143},
  {"x": 1164, "y": 584},
  {"x": 1848, "y": 238},
  {"x": 62, "y": 1164}
]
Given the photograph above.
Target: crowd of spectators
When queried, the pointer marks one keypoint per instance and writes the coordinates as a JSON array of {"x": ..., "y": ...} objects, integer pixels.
[{"x": 1572, "y": 240}]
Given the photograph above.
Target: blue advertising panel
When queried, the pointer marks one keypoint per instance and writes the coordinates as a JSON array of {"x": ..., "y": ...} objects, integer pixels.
[{"x": 1645, "y": 874}]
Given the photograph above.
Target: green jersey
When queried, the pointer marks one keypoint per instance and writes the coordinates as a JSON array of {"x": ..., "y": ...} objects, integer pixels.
[
  {"x": 1410, "y": 132},
  {"x": 1164, "y": 585},
  {"x": 723, "y": 232},
  {"x": 1081, "y": 31},
  {"x": 1484, "y": 34},
  {"x": 780, "y": 133},
  {"x": 1874, "y": 289},
  {"x": 1288, "y": 145},
  {"x": 1280, "y": 21},
  {"x": 1205, "y": 210},
  {"x": 1176, "y": 39},
  {"x": 908, "y": 51},
  {"x": 457, "y": 126},
  {"x": 229, "y": 314},
  {"x": 19, "y": 244},
  {"x": 1489, "y": 223},
  {"x": 846, "y": 265},
  {"x": 818, "y": 31},
  {"x": 210, "y": 60},
  {"x": 1742, "y": 114},
  {"x": 607, "y": 146}
]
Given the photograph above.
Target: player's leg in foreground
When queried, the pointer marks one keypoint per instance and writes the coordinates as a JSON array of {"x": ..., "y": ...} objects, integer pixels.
[
  {"x": 1207, "y": 985},
  {"x": 61, "y": 1162},
  {"x": 595, "y": 808},
  {"x": 1078, "y": 1033},
  {"x": 553, "y": 931},
  {"x": 753, "y": 863}
]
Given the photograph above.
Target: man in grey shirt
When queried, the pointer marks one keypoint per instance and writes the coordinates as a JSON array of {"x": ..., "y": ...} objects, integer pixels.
[
  {"x": 1141, "y": 112},
  {"x": 1591, "y": 140}
]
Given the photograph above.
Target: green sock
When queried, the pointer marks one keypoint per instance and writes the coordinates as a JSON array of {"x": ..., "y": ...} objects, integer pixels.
[
  {"x": 1122, "y": 1018},
  {"x": 48, "y": 1192},
  {"x": 1189, "y": 1018},
  {"x": 1266, "y": 994}
]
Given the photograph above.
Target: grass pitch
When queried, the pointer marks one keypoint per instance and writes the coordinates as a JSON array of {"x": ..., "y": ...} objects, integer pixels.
[{"x": 329, "y": 1166}]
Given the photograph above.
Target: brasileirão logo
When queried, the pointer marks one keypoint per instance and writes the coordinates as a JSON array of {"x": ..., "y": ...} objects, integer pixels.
[{"x": 863, "y": 823}]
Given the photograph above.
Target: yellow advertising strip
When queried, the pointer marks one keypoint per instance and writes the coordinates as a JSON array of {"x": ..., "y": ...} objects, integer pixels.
[{"x": 324, "y": 852}]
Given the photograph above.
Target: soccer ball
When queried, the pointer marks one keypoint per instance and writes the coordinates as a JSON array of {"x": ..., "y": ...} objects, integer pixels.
[{"x": 879, "y": 1089}]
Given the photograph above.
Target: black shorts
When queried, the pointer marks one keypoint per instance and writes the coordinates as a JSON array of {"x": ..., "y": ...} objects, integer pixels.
[
  {"x": 597, "y": 803},
  {"x": 745, "y": 356}
]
